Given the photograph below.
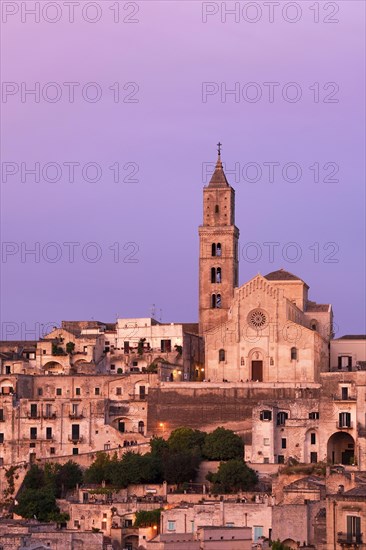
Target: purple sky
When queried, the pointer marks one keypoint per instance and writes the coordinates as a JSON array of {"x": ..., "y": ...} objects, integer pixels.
[{"x": 169, "y": 133}]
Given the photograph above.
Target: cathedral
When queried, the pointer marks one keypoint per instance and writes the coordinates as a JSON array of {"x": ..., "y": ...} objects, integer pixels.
[{"x": 267, "y": 330}]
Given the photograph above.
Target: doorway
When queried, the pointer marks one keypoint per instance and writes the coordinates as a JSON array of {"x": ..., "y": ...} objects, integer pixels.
[{"x": 257, "y": 371}]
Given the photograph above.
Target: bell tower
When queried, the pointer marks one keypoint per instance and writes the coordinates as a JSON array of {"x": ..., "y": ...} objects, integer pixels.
[{"x": 218, "y": 264}]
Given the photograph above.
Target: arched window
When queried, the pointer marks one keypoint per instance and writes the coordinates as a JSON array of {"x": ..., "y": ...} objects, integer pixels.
[
  {"x": 215, "y": 274},
  {"x": 216, "y": 209},
  {"x": 141, "y": 427},
  {"x": 213, "y": 249},
  {"x": 313, "y": 324},
  {"x": 293, "y": 354},
  {"x": 221, "y": 355},
  {"x": 218, "y": 249},
  {"x": 216, "y": 301},
  {"x": 242, "y": 362}
]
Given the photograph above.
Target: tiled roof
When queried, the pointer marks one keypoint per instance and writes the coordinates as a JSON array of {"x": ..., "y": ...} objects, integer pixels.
[
  {"x": 282, "y": 275},
  {"x": 310, "y": 481},
  {"x": 218, "y": 177},
  {"x": 359, "y": 491}
]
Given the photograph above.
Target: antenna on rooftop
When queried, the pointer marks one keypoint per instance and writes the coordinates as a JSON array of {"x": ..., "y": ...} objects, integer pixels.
[
  {"x": 153, "y": 311},
  {"x": 160, "y": 315}
]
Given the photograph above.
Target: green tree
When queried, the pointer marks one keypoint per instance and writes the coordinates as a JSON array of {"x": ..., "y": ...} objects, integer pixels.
[
  {"x": 67, "y": 477},
  {"x": 180, "y": 467},
  {"x": 37, "y": 503},
  {"x": 70, "y": 346},
  {"x": 34, "y": 478},
  {"x": 147, "y": 518},
  {"x": 232, "y": 476},
  {"x": 222, "y": 444},
  {"x": 159, "y": 446},
  {"x": 100, "y": 470},
  {"x": 186, "y": 440}
]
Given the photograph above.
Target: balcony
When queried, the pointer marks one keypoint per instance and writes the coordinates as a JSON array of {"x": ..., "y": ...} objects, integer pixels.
[
  {"x": 76, "y": 416},
  {"x": 33, "y": 416},
  {"x": 344, "y": 398},
  {"x": 49, "y": 416},
  {"x": 344, "y": 426},
  {"x": 75, "y": 440},
  {"x": 347, "y": 539}
]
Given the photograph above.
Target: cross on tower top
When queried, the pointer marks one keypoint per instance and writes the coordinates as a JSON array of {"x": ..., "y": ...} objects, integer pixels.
[{"x": 219, "y": 145}]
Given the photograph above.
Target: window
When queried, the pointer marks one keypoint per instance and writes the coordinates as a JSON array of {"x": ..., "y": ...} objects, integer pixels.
[
  {"x": 1, "y": 464},
  {"x": 75, "y": 432},
  {"x": 7, "y": 369},
  {"x": 135, "y": 363},
  {"x": 118, "y": 391},
  {"x": 283, "y": 443},
  {"x": 216, "y": 208},
  {"x": 344, "y": 390},
  {"x": 75, "y": 451},
  {"x": 166, "y": 346},
  {"x": 33, "y": 411},
  {"x": 266, "y": 441},
  {"x": 281, "y": 418},
  {"x": 85, "y": 348},
  {"x": 313, "y": 438},
  {"x": 52, "y": 450},
  {"x": 1, "y": 415},
  {"x": 353, "y": 529},
  {"x": 142, "y": 392},
  {"x": 97, "y": 391},
  {"x": 280, "y": 459},
  {"x": 344, "y": 420},
  {"x": 215, "y": 274},
  {"x": 40, "y": 391},
  {"x": 293, "y": 354},
  {"x": 314, "y": 415},
  {"x": 1, "y": 438},
  {"x": 58, "y": 391},
  {"x": 32, "y": 445},
  {"x": 265, "y": 415},
  {"x": 313, "y": 458},
  {"x": 113, "y": 367},
  {"x": 221, "y": 355},
  {"x": 242, "y": 362},
  {"x": 33, "y": 433},
  {"x": 48, "y": 433},
  {"x": 216, "y": 301},
  {"x": 258, "y": 532},
  {"x": 48, "y": 410},
  {"x": 75, "y": 410},
  {"x": 77, "y": 391},
  {"x": 345, "y": 362},
  {"x": 141, "y": 427},
  {"x": 126, "y": 347},
  {"x": 171, "y": 525}
]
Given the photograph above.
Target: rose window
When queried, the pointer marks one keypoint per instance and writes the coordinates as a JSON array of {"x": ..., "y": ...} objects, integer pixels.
[{"x": 257, "y": 318}]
